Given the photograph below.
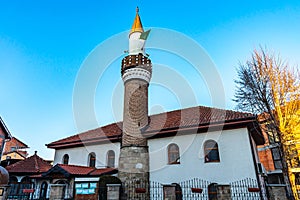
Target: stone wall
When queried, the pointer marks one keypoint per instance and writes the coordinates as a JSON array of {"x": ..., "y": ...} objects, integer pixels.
[
  {"x": 277, "y": 192},
  {"x": 134, "y": 171},
  {"x": 223, "y": 192},
  {"x": 57, "y": 191}
]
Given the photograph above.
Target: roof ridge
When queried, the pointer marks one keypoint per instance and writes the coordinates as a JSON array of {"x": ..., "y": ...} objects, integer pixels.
[{"x": 36, "y": 163}]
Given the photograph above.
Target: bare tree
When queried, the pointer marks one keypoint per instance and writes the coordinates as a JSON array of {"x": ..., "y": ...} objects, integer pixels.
[{"x": 268, "y": 85}]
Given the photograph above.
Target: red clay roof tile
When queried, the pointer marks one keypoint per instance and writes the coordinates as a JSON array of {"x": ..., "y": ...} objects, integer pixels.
[
  {"x": 99, "y": 172},
  {"x": 31, "y": 165},
  {"x": 179, "y": 119},
  {"x": 76, "y": 170}
]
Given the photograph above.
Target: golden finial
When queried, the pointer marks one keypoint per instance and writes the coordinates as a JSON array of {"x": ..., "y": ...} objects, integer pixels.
[{"x": 137, "y": 24}]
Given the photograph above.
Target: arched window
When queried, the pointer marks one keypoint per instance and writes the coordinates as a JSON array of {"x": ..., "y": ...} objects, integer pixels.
[
  {"x": 66, "y": 159},
  {"x": 212, "y": 191},
  {"x": 92, "y": 159},
  {"x": 211, "y": 151},
  {"x": 110, "y": 158},
  {"x": 43, "y": 191},
  {"x": 173, "y": 154}
]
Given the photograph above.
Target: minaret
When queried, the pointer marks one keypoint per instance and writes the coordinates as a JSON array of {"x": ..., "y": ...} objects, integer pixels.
[{"x": 136, "y": 74}]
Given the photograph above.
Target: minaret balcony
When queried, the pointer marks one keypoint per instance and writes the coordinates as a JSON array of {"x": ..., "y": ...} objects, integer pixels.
[{"x": 136, "y": 61}]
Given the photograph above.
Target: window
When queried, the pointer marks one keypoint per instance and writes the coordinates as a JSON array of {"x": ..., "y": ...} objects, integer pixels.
[
  {"x": 276, "y": 178},
  {"x": 110, "y": 158},
  {"x": 212, "y": 191},
  {"x": 276, "y": 158},
  {"x": 66, "y": 159},
  {"x": 43, "y": 192},
  {"x": 92, "y": 159},
  {"x": 173, "y": 154},
  {"x": 211, "y": 151}
]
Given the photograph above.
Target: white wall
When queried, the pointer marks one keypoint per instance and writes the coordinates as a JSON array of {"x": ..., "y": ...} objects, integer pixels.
[
  {"x": 79, "y": 155},
  {"x": 236, "y": 160}
]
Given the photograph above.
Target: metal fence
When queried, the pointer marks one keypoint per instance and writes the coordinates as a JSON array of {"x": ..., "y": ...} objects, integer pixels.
[
  {"x": 246, "y": 189},
  {"x": 33, "y": 192},
  {"x": 194, "y": 189}
]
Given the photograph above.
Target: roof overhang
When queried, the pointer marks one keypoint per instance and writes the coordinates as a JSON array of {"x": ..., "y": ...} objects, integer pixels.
[{"x": 249, "y": 122}]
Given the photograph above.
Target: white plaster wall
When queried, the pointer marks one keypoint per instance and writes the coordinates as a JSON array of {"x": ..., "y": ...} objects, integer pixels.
[
  {"x": 79, "y": 155},
  {"x": 236, "y": 161}
]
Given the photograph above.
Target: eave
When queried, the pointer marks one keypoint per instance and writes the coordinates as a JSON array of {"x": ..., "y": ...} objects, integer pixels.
[{"x": 249, "y": 122}]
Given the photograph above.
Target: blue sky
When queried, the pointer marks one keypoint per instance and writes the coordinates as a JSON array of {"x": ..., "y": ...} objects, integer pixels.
[{"x": 43, "y": 45}]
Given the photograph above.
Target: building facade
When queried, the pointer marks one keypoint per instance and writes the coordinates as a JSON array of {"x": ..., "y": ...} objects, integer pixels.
[
  {"x": 199, "y": 145},
  {"x": 192, "y": 153},
  {"x": 14, "y": 151}
]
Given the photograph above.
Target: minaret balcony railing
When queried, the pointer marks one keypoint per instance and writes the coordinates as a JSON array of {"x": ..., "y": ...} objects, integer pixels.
[{"x": 136, "y": 61}]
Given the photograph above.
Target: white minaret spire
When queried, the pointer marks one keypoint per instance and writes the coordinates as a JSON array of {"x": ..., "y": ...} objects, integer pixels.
[{"x": 137, "y": 36}]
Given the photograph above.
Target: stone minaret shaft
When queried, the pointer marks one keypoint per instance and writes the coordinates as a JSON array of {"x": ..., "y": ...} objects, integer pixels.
[{"x": 134, "y": 157}]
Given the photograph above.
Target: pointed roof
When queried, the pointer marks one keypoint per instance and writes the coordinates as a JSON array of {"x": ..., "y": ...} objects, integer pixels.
[
  {"x": 137, "y": 23},
  {"x": 31, "y": 165}
]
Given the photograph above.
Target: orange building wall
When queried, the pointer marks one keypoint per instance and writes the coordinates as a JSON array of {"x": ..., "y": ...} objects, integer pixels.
[
  {"x": 265, "y": 157},
  {"x": 14, "y": 143}
]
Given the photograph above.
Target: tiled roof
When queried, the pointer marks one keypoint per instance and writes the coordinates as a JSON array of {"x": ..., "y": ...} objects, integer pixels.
[
  {"x": 76, "y": 170},
  {"x": 103, "y": 171},
  {"x": 195, "y": 117},
  {"x": 18, "y": 143},
  {"x": 31, "y": 165}
]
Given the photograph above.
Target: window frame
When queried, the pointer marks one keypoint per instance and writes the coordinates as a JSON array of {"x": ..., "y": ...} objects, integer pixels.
[
  {"x": 66, "y": 159},
  {"x": 109, "y": 158},
  {"x": 176, "y": 152},
  {"x": 209, "y": 151},
  {"x": 92, "y": 159}
]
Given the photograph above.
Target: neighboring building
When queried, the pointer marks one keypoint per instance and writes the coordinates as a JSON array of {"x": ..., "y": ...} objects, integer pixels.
[
  {"x": 14, "y": 151},
  {"x": 26, "y": 178},
  {"x": 272, "y": 161},
  {"x": 5, "y": 136},
  {"x": 78, "y": 179},
  {"x": 269, "y": 155}
]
